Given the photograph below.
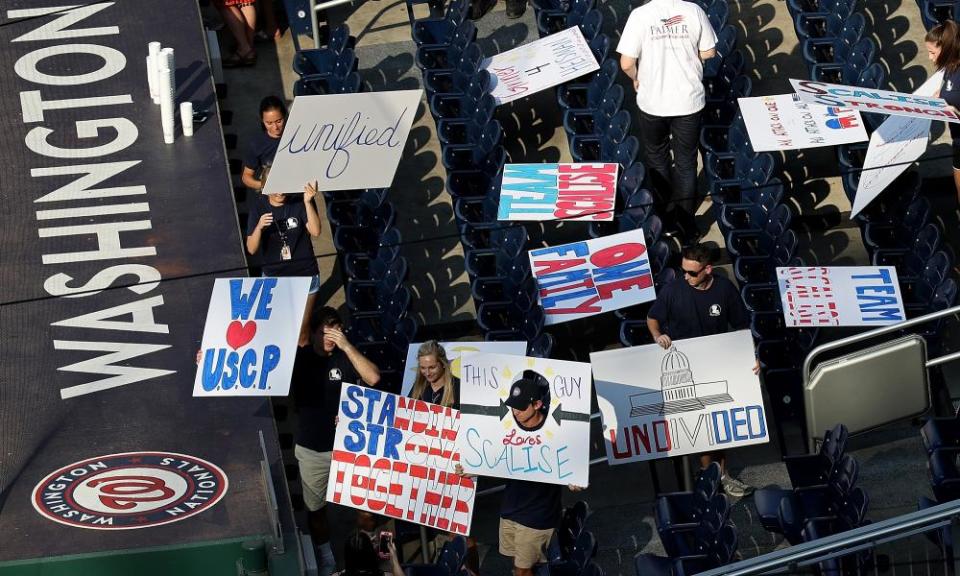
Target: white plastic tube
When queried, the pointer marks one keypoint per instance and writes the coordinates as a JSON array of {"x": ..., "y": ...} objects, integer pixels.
[
  {"x": 166, "y": 104},
  {"x": 153, "y": 66},
  {"x": 186, "y": 118}
]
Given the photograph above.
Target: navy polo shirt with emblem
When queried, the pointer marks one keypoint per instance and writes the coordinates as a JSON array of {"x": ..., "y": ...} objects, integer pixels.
[
  {"x": 316, "y": 385},
  {"x": 685, "y": 312}
]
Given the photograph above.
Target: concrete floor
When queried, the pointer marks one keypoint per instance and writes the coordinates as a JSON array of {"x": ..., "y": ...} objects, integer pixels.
[{"x": 891, "y": 461}]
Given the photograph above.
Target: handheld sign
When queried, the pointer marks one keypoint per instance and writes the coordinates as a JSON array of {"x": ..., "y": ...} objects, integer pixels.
[
  {"x": 840, "y": 296},
  {"x": 558, "y": 191},
  {"x": 395, "y": 456},
  {"x": 872, "y": 100},
  {"x": 525, "y": 418},
  {"x": 250, "y": 338},
  {"x": 894, "y": 147},
  {"x": 344, "y": 141},
  {"x": 782, "y": 122},
  {"x": 698, "y": 396},
  {"x": 594, "y": 276},
  {"x": 455, "y": 351},
  {"x": 539, "y": 65}
]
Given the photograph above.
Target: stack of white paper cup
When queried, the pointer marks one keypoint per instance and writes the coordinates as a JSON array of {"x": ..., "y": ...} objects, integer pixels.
[
  {"x": 186, "y": 118},
  {"x": 153, "y": 66},
  {"x": 167, "y": 87}
]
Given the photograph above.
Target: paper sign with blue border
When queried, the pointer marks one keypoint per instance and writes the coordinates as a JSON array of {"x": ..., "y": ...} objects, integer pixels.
[
  {"x": 395, "y": 456},
  {"x": 840, "y": 296},
  {"x": 700, "y": 395},
  {"x": 525, "y": 418},
  {"x": 250, "y": 338},
  {"x": 558, "y": 192},
  {"x": 593, "y": 276},
  {"x": 872, "y": 100}
]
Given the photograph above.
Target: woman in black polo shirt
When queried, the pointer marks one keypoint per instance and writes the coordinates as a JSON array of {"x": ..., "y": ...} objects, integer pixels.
[
  {"x": 435, "y": 384},
  {"x": 943, "y": 49}
]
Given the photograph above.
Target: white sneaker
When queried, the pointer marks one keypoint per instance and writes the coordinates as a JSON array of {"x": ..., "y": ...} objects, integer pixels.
[{"x": 734, "y": 487}]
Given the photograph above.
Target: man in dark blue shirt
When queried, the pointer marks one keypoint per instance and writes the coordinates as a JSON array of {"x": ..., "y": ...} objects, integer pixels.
[{"x": 700, "y": 304}]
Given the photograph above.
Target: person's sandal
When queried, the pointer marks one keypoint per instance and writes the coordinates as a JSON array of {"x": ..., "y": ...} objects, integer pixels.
[{"x": 235, "y": 60}]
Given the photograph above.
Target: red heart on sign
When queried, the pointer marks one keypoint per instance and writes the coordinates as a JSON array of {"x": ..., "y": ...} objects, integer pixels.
[{"x": 239, "y": 333}]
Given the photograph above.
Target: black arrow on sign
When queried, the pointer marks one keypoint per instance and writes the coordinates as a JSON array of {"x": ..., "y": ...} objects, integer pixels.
[
  {"x": 559, "y": 414},
  {"x": 498, "y": 411}
]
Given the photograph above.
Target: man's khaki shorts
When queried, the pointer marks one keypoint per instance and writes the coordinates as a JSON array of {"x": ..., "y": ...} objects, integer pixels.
[
  {"x": 314, "y": 475},
  {"x": 525, "y": 545}
]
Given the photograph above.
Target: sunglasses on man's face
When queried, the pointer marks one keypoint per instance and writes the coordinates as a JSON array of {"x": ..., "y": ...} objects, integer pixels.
[{"x": 693, "y": 272}]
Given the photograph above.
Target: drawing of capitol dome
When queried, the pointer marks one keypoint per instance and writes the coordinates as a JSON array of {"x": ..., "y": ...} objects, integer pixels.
[
  {"x": 676, "y": 378},
  {"x": 678, "y": 391}
]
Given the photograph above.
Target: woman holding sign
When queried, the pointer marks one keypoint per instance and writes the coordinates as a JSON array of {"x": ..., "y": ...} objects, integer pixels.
[
  {"x": 280, "y": 231},
  {"x": 263, "y": 146},
  {"x": 435, "y": 384},
  {"x": 943, "y": 49}
]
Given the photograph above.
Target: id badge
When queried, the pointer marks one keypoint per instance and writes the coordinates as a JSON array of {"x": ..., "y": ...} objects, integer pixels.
[{"x": 285, "y": 252}]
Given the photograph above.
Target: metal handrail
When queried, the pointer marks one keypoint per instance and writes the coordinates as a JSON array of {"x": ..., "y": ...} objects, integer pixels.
[
  {"x": 869, "y": 535},
  {"x": 808, "y": 362},
  {"x": 314, "y": 21}
]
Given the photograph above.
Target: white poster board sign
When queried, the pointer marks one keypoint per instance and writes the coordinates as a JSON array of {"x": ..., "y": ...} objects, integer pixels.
[
  {"x": 539, "y": 65},
  {"x": 250, "y": 338},
  {"x": 782, "y": 122},
  {"x": 894, "y": 147},
  {"x": 343, "y": 141},
  {"x": 558, "y": 191},
  {"x": 698, "y": 396},
  {"x": 593, "y": 276},
  {"x": 395, "y": 456},
  {"x": 871, "y": 100},
  {"x": 455, "y": 351},
  {"x": 840, "y": 296},
  {"x": 550, "y": 445}
]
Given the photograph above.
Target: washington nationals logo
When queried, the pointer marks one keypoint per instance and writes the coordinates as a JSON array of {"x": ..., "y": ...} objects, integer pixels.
[{"x": 130, "y": 490}]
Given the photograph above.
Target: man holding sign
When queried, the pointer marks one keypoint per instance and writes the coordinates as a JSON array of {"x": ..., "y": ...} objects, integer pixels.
[
  {"x": 327, "y": 362},
  {"x": 700, "y": 304}
]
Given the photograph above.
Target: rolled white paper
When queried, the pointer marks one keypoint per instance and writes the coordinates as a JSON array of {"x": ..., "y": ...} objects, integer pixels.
[
  {"x": 186, "y": 118},
  {"x": 166, "y": 104},
  {"x": 153, "y": 67},
  {"x": 170, "y": 62}
]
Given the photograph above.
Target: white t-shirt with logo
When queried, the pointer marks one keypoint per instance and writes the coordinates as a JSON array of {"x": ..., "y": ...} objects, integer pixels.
[{"x": 667, "y": 36}]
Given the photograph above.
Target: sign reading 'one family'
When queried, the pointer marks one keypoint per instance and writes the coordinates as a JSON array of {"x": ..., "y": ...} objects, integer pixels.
[
  {"x": 525, "y": 418},
  {"x": 840, "y": 296},
  {"x": 558, "y": 191},
  {"x": 335, "y": 139},
  {"x": 782, "y": 122},
  {"x": 894, "y": 147},
  {"x": 698, "y": 396},
  {"x": 539, "y": 65},
  {"x": 873, "y": 100},
  {"x": 250, "y": 338},
  {"x": 395, "y": 456},
  {"x": 455, "y": 352},
  {"x": 594, "y": 276}
]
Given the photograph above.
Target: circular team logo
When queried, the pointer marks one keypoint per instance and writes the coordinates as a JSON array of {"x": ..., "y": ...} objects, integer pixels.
[{"x": 129, "y": 490}]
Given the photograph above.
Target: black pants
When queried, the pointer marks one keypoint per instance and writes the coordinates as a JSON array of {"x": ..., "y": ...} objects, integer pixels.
[{"x": 661, "y": 134}]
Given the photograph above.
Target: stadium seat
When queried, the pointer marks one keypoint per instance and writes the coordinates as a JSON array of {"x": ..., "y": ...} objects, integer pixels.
[
  {"x": 590, "y": 121},
  {"x": 444, "y": 55},
  {"x": 762, "y": 241},
  {"x": 358, "y": 264},
  {"x": 762, "y": 267},
  {"x": 686, "y": 508},
  {"x": 439, "y": 30},
  {"x": 898, "y": 234},
  {"x": 780, "y": 509},
  {"x": 589, "y": 94}
]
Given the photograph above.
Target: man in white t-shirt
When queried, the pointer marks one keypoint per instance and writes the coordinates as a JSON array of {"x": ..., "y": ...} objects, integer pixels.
[{"x": 662, "y": 50}]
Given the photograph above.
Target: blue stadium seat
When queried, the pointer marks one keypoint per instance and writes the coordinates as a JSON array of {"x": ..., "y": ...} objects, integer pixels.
[
  {"x": 762, "y": 267},
  {"x": 439, "y": 30},
  {"x": 551, "y": 21},
  {"x": 847, "y": 72},
  {"x": 587, "y": 121},
  {"x": 589, "y": 94},
  {"x": 445, "y": 54},
  {"x": 357, "y": 264},
  {"x": 686, "y": 508},
  {"x": 898, "y": 234}
]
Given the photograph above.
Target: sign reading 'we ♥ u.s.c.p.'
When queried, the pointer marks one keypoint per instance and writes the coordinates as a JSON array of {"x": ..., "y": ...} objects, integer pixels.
[{"x": 250, "y": 338}]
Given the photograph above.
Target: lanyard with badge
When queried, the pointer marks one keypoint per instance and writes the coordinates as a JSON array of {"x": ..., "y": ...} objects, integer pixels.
[{"x": 285, "y": 253}]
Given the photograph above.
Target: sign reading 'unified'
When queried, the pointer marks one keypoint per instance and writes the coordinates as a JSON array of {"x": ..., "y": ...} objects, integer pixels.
[
  {"x": 840, "y": 296},
  {"x": 698, "y": 396},
  {"x": 395, "y": 456},
  {"x": 539, "y": 65},
  {"x": 343, "y": 141},
  {"x": 558, "y": 191},
  {"x": 594, "y": 276}
]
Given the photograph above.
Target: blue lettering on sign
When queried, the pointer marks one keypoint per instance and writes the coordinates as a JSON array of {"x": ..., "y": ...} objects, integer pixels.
[
  {"x": 261, "y": 292},
  {"x": 538, "y": 195},
  {"x": 878, "y": 302},
  {"x": 739, "y": 424},
  {"x": 578, "y": 249},
  {"x": 340, "y": 137},
  {"x": 227, "y": 368}
]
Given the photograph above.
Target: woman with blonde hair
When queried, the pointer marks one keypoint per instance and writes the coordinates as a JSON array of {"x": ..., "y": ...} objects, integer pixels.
[{"x": 435, "y": 383}]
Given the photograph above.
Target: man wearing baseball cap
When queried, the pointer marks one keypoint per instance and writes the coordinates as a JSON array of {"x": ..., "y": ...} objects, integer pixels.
[{"x": 526, "y": 401}]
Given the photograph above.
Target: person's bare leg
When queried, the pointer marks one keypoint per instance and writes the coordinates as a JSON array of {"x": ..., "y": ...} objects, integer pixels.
[
  {"x": 235, "y": 22},
  {"x": 269, "y": 14},
  {"x": 249, "y": 15},
  {"x": 522, "y": 571}
]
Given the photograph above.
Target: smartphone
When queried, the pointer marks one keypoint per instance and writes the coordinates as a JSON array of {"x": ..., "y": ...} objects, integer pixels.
[{"x": 384, "y": 548}]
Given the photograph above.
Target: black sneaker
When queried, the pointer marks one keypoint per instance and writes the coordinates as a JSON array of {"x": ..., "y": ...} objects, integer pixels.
[{"x": 516, "y": 8}]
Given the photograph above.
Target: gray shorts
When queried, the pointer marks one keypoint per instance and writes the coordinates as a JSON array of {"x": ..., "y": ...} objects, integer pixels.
[{"x": 314, "y": 476}]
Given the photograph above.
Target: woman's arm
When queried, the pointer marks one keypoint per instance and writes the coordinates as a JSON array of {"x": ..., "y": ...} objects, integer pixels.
[{"x": 249, "y": 179}]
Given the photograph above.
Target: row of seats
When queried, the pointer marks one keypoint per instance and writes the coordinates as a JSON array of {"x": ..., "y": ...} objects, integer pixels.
[
  {"x": 694, "y": 528},
  {"x": 572, "y": 549},
  {"x": 473, "y": 157},
  {"x": 449, "y": 562},
  {"x": 331, "y": 69}
]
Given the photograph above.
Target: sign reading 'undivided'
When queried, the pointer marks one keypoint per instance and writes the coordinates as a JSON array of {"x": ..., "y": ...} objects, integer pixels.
[{"x": 344, "y": 141}]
